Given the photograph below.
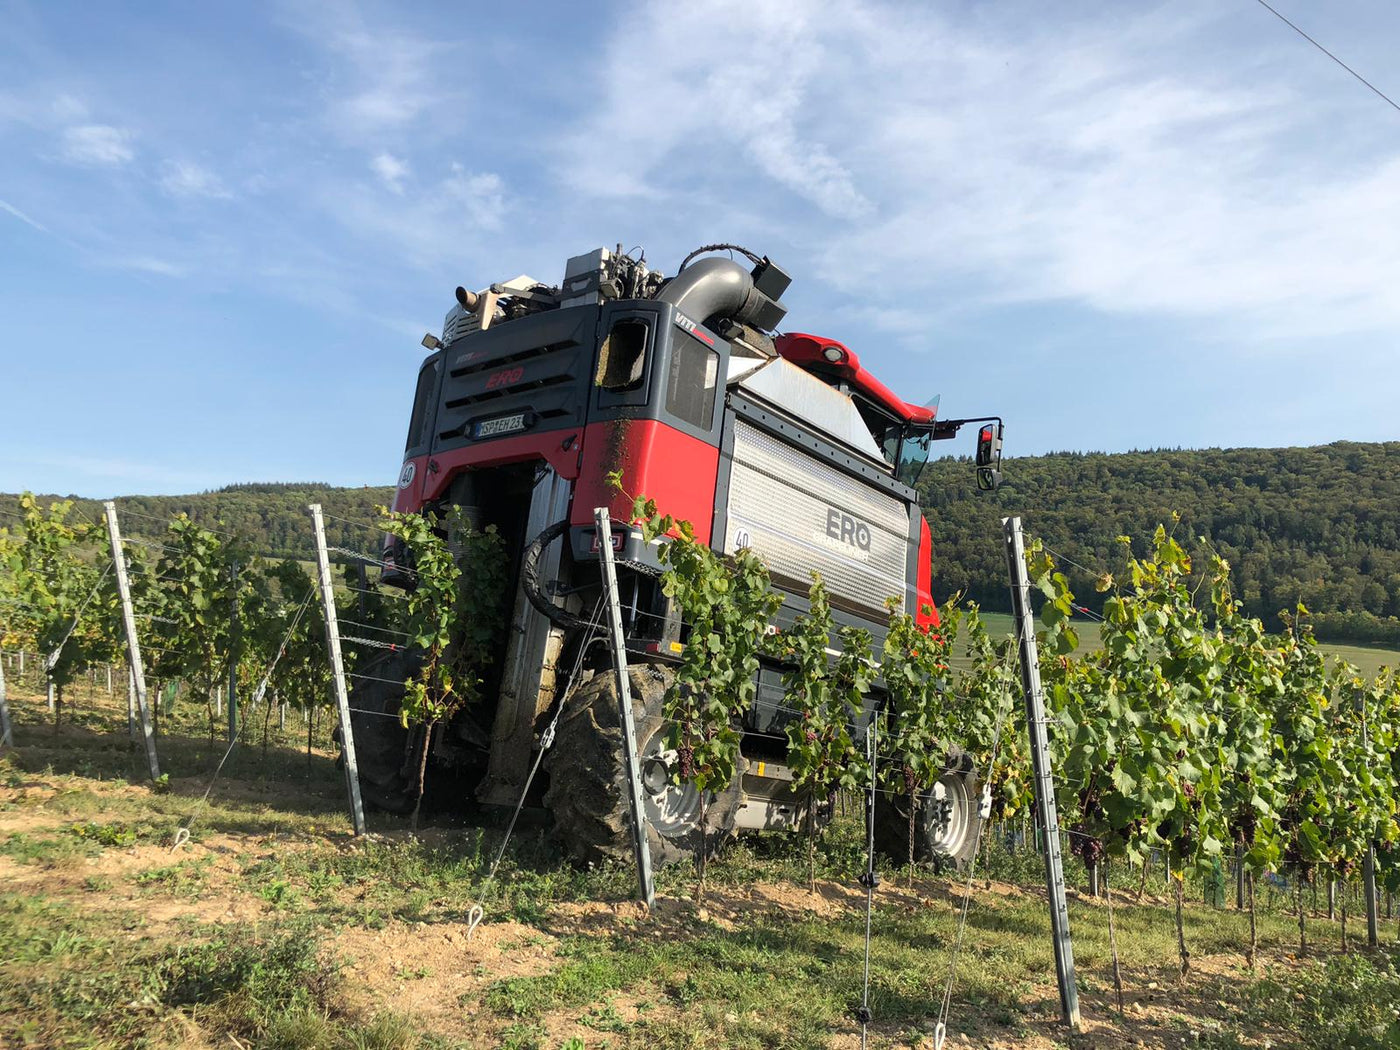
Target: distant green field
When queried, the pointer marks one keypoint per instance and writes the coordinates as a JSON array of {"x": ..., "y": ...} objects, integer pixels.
[{"x": 1367, "y": 659}]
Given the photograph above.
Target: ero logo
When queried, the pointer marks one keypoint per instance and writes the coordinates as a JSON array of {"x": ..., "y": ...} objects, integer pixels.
[{"x": 846, "y": 529}]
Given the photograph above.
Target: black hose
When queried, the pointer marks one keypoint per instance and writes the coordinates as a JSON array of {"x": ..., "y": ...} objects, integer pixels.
[
  {"x": 752, "y": 257},
  {"x": 530, "y": 579}
]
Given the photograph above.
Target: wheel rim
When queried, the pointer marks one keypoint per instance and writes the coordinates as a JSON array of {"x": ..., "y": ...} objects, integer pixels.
[
  {"x": 950, "y": 815},
  {"x": 671, "y": 808}
]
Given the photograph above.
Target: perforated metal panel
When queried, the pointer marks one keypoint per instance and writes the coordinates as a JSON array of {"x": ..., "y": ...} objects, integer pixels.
[{"x": 798, "y": 513}]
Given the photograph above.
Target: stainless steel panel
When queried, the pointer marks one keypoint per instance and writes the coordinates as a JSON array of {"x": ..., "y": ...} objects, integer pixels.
[{"x": 800, "y": 514}]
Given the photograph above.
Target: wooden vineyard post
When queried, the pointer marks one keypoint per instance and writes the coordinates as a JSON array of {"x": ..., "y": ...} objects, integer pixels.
[
  {"x": 133, "y": 644},
  {"x": 1042, "y": 777},
  {"x": 603, "y": 531},
  {"x": 342, "y": 700}
]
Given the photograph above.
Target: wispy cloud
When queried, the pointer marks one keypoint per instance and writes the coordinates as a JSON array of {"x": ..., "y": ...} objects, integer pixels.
[
  {"x": 391, "y": 170},
  {"x": 652, "y": 111},
  {"x": 147, "y": 264},
  {"x": 10, "y": 209},
  {"x": 445, "y": 214},
  {"x": 97, "y": 144},
  {"x": 182, "y": 178},
  {"x": 380, "y": 78},
  {"x": 1101, "y": 163}
]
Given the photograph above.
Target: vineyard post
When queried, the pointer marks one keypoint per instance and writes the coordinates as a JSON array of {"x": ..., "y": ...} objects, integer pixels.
[
  {"x": 603, "y": 532},
  {"x": 133, "y": 644},
  {"x": 1239, "y": 876},
  {"x": 342, "y": 701},
  {"x": 234, "y": 640},
  {"x": 1040, "y": 768},
  {"x": 130, "y": 704},
  {"x": 7, "y": 737},
  {"x": 1368, "y": 868}
]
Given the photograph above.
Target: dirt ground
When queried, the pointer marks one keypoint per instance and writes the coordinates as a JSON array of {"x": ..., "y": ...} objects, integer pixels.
[{"x": 394, "y": 927}]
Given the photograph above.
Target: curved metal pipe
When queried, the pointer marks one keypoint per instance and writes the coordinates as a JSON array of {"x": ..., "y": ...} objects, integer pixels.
[{"x": 714, "y": 288}]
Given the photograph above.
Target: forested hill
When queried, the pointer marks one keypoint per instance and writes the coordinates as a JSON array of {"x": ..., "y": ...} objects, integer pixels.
[
  {"x": 1318, "y": 524},
  {"x": 272, "y": 518}
]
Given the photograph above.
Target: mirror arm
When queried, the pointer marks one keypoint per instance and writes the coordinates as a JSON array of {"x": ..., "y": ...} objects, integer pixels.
[{"x": 943, "y": 429}]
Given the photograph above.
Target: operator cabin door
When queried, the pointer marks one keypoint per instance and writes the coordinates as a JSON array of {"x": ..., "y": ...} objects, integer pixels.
[{"x": 655, "y": 413}]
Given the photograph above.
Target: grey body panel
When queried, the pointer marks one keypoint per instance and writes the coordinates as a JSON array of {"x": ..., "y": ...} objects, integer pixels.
[
  {"x": 799, "y": 515},
  {"x": 821, "y": 407},
  {"x": 529, "y": 679}
]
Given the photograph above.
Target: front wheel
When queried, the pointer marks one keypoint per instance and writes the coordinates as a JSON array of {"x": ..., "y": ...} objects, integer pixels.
[
  {"x": 947, "y": 820},
  {"x": 385, "y": 751},
  {"x": 587, "y": 792}
]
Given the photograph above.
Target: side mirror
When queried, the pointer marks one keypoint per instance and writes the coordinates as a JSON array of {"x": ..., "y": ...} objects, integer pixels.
[
  {"x": 989, "y": 445},
  {"x": 989, "y": 456}
]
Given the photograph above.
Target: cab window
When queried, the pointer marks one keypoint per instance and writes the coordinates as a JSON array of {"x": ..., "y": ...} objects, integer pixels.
[
  {"x": 420, "y": 421},
  {"x": 691, "y": 381}
]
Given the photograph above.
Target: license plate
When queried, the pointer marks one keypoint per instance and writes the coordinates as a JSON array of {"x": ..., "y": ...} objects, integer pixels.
[{"x": 504, "y": 425}]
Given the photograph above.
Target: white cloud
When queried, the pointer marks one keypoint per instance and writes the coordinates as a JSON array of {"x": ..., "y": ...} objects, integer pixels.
[
  {"x": 439, "y": 221},
  {"x": 99, "y": 144},
  {"x": 1104, "y": 163},
  {"x": 148, "y": 264},
  {"x": 382, "y": 78},
  {"x": 706, "y": 113},
  {"x": 182, "y": 178},
  {"x": 391, "y": 170},
  {"x": 10, "y": 209}
]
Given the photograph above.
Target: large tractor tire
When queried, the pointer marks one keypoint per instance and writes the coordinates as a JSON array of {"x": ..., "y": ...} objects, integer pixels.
[
  {"x": 384, "y": 749},
  {"x": 946, "y": 822},
  {"x": 587, "y": 792}
]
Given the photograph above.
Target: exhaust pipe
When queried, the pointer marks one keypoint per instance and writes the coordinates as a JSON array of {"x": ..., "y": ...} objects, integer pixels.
[{"x": 721, "y": 288}]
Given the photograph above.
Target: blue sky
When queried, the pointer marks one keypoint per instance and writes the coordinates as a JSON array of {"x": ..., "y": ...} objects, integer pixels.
[{"x": 224, "y": 227}]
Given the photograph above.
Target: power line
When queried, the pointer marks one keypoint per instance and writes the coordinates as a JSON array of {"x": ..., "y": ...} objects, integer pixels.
[{"x": 1334, "y": 58}]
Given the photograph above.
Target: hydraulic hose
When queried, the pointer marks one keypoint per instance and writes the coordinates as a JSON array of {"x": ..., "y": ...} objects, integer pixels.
[{"x": 530, "y": 579}]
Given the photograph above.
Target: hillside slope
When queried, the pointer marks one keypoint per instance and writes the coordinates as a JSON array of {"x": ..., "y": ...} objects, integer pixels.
[
  {"x": 272, "y": 517},
  {"x": 1320, "y": 524}
]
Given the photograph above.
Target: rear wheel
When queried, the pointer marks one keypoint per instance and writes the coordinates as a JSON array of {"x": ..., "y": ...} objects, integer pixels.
[
  {"x": 384, "y": 749},
  {"x": 588, "y": 787},
  {"x": 946, "y": 821}
]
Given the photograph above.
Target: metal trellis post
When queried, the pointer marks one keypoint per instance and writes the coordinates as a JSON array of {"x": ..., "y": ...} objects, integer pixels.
[
  {"x": 7, "y": 737},
  {"x": 1040, "y": 766},
  {"x": 133, "y": 644},
  {"x": 603, "y": 531},
  {"x": 235, "y": 640},
  {"x": 342, "y": 700}
]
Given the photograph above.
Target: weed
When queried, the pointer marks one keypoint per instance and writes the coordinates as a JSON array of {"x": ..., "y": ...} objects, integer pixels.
[{"x": 116, "y": 834}]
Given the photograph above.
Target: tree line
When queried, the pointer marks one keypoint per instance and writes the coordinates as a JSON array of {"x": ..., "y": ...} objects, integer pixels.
[{"x": 1317, "y": 525}]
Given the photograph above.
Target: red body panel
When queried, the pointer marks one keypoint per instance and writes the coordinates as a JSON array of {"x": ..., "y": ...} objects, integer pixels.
[
  {"x": 433, "y": 473},
  {"x": 657, "y": 461},
  {"x": 923, "y": 585},
  {"x": 409, "y": 497},
  {"x": 809, "y": 352}
]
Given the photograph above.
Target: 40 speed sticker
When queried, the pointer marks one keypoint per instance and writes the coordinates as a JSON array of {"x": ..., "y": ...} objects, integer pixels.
[{"x": 406, "y": 475}]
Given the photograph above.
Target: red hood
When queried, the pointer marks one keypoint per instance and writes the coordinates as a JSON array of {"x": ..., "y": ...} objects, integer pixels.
[{"x": 809, "y": 351}]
